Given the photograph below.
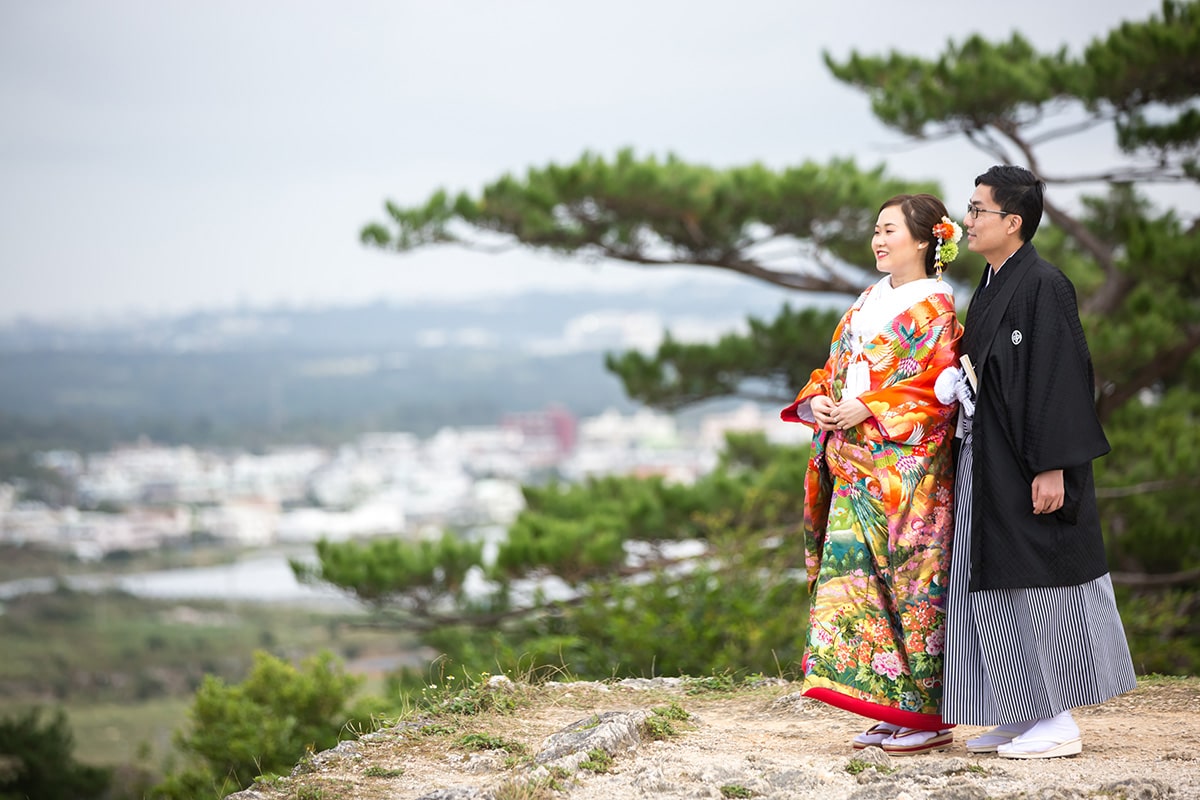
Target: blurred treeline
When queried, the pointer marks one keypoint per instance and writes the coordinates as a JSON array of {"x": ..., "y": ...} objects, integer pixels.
[{"x": 90, "y": 401}]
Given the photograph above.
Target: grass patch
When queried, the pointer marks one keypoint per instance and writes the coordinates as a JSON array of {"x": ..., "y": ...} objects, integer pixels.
[
  {"x": 381, "y": 772},
  {"x": 598, "y": 760},
  {"x": 661, "y": 722},
  {"x": 735, "y": 790},
  {"x": 857, "y": 766},
  {"x": 713, "y": 683},
  {"x": 671, "y": 711},
  {"x": 467, "y": 694},
  {"x": 482, "y": 741},
  {"x": 476, "y": 699},
  {"x": 549, "y": 787}
]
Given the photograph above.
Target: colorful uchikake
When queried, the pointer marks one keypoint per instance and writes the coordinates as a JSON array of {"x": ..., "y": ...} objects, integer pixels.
[{"x": 947, "y": 234}]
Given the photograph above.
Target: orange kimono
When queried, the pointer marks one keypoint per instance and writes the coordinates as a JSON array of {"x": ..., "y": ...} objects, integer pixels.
[{"x": 879, "y": 517}]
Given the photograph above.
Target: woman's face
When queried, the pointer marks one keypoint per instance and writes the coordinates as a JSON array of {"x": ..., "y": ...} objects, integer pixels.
[{"x": 896, "y": 251}]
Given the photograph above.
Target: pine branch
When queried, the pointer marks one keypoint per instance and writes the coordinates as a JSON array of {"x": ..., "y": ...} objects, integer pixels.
[
  {"x": 1072, "y": 129},
  {"x": 800, "y": 281},
  {"x": 982, "y": 139},
  {"x": 1161, "y": 173}
]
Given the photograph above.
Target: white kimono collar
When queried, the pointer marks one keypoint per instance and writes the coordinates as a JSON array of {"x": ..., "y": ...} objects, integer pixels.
[{"x": 882, "y": 303}]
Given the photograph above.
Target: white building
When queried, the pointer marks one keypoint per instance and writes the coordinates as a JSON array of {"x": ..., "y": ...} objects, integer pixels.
[
  {"x": 381, "y": 515},
  {"x": 750, "y": 418},
  {"x": 246, "y": 521},
  {"x": 643, "y": 443}
]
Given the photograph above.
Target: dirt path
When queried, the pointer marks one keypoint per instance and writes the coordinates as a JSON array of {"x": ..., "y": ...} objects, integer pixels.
[{"x": 764, "y": 743}]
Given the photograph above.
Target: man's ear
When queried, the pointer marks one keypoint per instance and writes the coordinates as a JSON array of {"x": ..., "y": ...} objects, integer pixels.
[{"x": 1015, "y": 221}]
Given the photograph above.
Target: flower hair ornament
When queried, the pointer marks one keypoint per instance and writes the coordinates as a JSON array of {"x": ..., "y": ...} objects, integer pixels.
[{"x": 947, "y": 234}]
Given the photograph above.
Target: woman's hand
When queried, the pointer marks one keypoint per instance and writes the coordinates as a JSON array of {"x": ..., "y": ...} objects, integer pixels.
[
  {"x": 823, "y": 409},
  {"x": 849, "y": 413},
  {"x": 841, "y": 416}
]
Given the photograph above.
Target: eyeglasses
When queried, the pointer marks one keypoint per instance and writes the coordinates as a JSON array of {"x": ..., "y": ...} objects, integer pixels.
[{"x": 975, "y": 211}]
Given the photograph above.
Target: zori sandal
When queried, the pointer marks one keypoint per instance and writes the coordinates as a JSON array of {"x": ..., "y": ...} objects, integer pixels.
[
  {"x": 913, "y": 741},
  {"x": 874, "y": 735},
  {"x": 1049, "y": 738},
  {"x": 1023, "y": 747}
]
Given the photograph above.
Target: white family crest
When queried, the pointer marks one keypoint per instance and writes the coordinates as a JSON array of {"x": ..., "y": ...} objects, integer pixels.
[{"x": 1016, "y": 337}]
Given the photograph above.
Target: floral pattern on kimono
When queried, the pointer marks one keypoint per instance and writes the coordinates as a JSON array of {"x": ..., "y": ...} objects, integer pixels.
[{"x": 879, "y": 521}]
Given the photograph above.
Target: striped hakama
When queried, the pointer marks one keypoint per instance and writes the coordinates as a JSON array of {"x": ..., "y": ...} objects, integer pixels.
[{"x": 1015, "y": 655}]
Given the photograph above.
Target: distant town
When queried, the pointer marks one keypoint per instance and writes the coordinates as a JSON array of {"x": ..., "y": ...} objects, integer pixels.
[{"x": 146, "y": 496}]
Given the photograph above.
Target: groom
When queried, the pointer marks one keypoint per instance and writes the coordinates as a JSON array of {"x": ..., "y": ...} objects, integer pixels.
[{"x": 1032, "y": 624}]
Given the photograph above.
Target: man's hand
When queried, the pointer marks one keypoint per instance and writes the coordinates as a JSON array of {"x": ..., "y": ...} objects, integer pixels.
[{"x": 1048, "y": 492}]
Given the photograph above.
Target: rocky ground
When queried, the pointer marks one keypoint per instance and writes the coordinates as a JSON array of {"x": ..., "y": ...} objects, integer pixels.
[{"x": 610, "y": 741}]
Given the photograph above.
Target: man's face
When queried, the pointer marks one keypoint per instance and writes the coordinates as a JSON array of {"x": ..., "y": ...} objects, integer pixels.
[{"x": 988, "y": 233}]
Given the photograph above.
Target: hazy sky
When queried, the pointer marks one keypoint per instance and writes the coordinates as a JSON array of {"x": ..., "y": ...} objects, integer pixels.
[{"x": 161, "y": 156}]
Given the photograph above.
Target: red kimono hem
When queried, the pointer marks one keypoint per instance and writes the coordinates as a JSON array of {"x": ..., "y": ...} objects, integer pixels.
[{"x": 905, "y": 719}]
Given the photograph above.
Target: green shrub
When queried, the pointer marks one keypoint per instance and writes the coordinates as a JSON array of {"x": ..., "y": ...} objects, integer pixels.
[{"x": 263, "y": 725}]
